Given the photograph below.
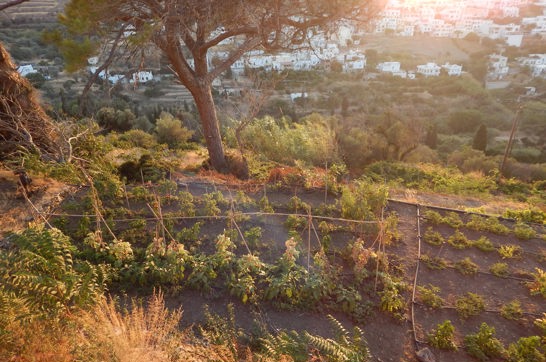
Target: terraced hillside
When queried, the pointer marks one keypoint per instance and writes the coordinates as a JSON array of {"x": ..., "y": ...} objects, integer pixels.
[{"x": 34, "y": 10}]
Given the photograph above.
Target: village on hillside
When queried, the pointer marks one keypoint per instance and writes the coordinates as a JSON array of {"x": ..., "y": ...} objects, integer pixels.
[{"x": 502, "y": 21}]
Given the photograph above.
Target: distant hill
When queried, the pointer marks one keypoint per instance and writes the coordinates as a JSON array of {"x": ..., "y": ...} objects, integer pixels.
[{"x": 45, "y": 10}]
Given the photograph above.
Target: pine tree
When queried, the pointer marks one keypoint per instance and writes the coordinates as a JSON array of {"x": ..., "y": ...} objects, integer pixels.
[{"x": 480, "y": 139}]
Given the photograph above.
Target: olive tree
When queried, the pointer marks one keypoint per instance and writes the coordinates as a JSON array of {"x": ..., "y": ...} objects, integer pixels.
[{"x": 185, "y": 31}]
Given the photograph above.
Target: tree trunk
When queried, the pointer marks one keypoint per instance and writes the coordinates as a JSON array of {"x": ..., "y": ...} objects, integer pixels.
[
  {"x": 23, "y": 123},
  {"x": 202, "y": 94}
]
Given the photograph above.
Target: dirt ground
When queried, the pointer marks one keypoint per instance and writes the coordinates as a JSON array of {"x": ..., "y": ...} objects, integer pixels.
[{"x": 16, "y": 211}]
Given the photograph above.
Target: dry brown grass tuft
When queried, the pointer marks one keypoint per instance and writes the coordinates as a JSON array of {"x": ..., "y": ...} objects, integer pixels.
[
  {"x": 143, "y": 333},
  {"x": 147, "y": 333}
]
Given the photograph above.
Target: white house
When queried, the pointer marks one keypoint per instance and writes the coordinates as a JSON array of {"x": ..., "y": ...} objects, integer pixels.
[
  {"x": 294, "y": 96},
  {"x": 25, "y": 70},
  {"x": 453, "y": 69},
  {"x": 142, "y": 76},
  {"x": 429, "y": 70},
  {"x": 352, "y": 61},
  {"x": 498, "y": 66},
  {"x": 388, "y": 67},
  {"x": 514, "y": 40},
  {"x": 93, "y": 60},
  {"x": 510, "y": 12},
  {"x": 536, "y": 62},
  {"x": 115, "y": 78}
]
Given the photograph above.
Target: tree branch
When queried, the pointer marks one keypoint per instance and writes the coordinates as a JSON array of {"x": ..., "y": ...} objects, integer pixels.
[
  {"x": 248, "y": 45},
  {"x": 9, "y": 4}
]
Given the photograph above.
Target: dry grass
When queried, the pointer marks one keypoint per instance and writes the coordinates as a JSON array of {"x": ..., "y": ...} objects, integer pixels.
[{"x": 147, "y": 333}]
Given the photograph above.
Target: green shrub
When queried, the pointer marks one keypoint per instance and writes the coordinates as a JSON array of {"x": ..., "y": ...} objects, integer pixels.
[
  {"x": 210, "y": 205},
  {"x": 458, "y": 240},
  {"x": 529, "y": 215},
  {"x": 524, "y": 231},
  {"x": 491, "y": 224},
  {"x": 433, "y": 237},
  {"x": 253, "y": 236},
  {"x": 510, "y": 251},
  {"x": 477, "y": 222},
  {"x": 538, "y": 285},
  {"x": 469, "y": 305},
  {"x": 136, "y": 138},
  {"x": 391, "y": 299},
  {"x": 311, "y": 141},
  {"x": 294, "y": 222},
  {"x": 484, "y": 244},
  {"x": 466, "y": 266},
  {"x": 296, "y": 205},
  {"x": 190, "y": 234},
  {"x": 433, "y": 217},
  {"x": 442, "y": 336},
  {"x": 41, "y": 272},
  {"x": 527, "y": 349},
  {"x": 186, "y": 203},
  {"x": 512, "y": 310},
  {"x": 429, "y": 296},
  {"x": 170, "y": 131},
  {"x": 364, "y": 201},
  {"x": 452, "y": 219},
  {"x": 494, "y": 226},
  {"x": 434, "y": 263},
  {"x": 500, "y": 270},
  {"x": 265, "y": 205},
  {"x": 541, "y": 324},
  {"x": 483, "y": 345}
]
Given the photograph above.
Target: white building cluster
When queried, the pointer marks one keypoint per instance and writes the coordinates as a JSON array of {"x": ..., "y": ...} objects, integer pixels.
[
  {"x": 429, "y": 69},
  {"x": 457, "y": 19},
  {"x": 536, "y": 63}
]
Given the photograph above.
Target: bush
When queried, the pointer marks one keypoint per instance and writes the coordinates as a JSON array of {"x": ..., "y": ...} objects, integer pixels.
[
  {"x": 452, "y": 219},
  {"x": 484, "y": 244},
  {"x": 434, "y": 263},
  {"x": 169, "y": 130},
  {"x": 510, "y": 251},
  {"x": 466, "y": 267},
  {"x": 115, "y": 119},
  {"x": 491, "y": 224},
  {"x": 527, "y": 349},
  {"x": 433, "y": 217},
  {"x": 433, "y": 237},
  {"x": 538, "y": 285},
  {"x": 41, "y": 272},
  {"x": 512, "y": 310},
  {"x": 458, "y": 240},
  {"x": 499, "y": 270},
  {"x": 529, "y": 215},
  {"x": 470, "y": 160},
  {"x": 429, "y": 296},
  {"x": 442, "y": 336},
  {"x": 138, "y": 138},
  {"x": 311, "y": 141},
  {"x": 483, "y": 345},
  {"x": 469, "y": 305},
  {"x": 524, "y": 231},
  {"x": 465, "y": 121},
  {"x": 363, "y": 202}
]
